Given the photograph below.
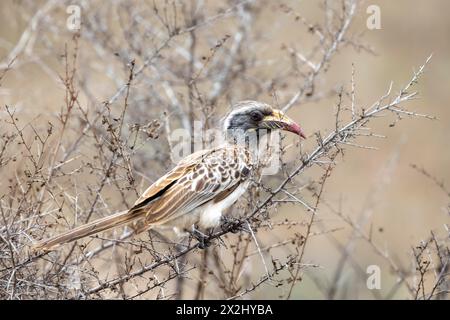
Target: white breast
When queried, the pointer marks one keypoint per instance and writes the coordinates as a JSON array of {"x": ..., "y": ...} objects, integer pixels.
[{"x": 210, "y": 217}]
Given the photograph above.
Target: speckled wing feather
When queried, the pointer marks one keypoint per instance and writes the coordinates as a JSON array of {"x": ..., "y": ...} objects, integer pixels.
[
  {"x": 196, "y": 180},
  {"x": 173, "y": 175}
]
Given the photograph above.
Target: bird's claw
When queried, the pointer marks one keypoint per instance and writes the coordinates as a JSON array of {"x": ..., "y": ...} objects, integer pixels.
[{"x": 232, "y": 225}]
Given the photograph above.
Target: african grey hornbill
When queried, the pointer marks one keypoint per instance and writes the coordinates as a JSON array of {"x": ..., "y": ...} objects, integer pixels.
[{"x": 201, "y": 186}]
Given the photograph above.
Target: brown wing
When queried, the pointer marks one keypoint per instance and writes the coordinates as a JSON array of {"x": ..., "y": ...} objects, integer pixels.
[
  {"x": 169, "y": 178},
  {"x": 193, "y": 182}
]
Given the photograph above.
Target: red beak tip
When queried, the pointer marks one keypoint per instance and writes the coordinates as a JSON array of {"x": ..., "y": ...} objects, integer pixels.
[{"x": 295, "y": 128}]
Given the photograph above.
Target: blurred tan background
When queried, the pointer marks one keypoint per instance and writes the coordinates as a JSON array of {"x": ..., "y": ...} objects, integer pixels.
[{"x": 404, "y": 206}]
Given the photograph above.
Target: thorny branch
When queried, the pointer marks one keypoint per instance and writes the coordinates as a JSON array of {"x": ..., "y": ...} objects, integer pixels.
[{"x": 98, "y": 153}]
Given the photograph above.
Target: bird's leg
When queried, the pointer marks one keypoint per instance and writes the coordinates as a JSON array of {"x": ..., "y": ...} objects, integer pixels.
[{"x": 200, "y": 237}]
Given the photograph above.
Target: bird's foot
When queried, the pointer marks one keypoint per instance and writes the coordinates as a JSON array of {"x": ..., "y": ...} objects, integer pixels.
[
  {"x": 231, "y": 224},
  {"x": 202, "y": 238}
]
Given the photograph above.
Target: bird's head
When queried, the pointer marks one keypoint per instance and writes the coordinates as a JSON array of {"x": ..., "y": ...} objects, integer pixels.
[{"x": 253, "y": 116}]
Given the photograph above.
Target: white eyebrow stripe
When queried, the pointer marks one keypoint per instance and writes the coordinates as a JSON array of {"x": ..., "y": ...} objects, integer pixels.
[{"x": 242, "y": 107}]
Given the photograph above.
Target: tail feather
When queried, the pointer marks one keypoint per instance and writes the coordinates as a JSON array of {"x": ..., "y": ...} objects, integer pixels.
[{"x": 88, "y": 229}]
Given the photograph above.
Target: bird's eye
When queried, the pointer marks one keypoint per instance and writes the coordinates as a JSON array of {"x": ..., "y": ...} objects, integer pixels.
[{"x": 256, "y": 116}]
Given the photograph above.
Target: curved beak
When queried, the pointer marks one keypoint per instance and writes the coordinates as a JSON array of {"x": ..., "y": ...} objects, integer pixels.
[{"x": 279, "y": 120}]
